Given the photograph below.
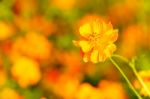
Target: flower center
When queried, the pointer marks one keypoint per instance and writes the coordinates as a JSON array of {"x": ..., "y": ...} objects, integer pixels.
[{"x": 94, "y": 39}]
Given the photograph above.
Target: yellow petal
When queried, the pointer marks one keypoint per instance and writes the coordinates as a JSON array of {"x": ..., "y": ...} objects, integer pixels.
[
  {"x": 94, "y": 56},
  {"x": 114, "y": 35},
  {"x": 110, "y": 49},
  {"x": 111, "y": 35},
  {"x": 85, "y": 46},
  {"x": 85, "y": 30},
  {"x": 85, "y": 58},
  {"x": 102, "y": 57},
  {"x": 106, "y": 26},
  {"x": 97, "y": 27}
]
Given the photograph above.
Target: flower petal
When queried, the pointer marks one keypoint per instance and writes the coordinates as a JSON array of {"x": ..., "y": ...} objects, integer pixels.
[
  {"x": 97, "y": 27},
  {"x": 94, "y": 56},
  {"x": 110, "y": 49},
  {"x": 106, "y": 27},
  {"x": 85, "y": 46},
  {"x": 101, "y": 57},
  {"x": 86, "y": 57},
  {"x": 114, "y": 35},
  {"x": 111, "y": 35},
  {"x": 85, "y": 30}
]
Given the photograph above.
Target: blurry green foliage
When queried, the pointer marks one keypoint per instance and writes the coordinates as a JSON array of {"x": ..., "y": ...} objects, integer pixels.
[{"x": 143, "y": 60}]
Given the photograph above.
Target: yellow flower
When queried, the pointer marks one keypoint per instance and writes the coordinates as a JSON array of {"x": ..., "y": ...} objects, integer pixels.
[
  {"x": 8, "y": 93},
  {"x": 87, "y": 91},
  {"x": 97, "y": 40},
  {"x": 26, "y": 72}
]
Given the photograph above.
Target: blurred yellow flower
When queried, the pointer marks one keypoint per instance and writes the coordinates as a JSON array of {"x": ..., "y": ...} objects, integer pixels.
[
  {"x": 6, "y": 30},
  {"x": 145, "y": 75},
  {"x": 26, "y": 72},
  {"x": 86, "y": 91},
  {"x": 8, "y": 93},
  {"x": 97, "y": 40},
  {"x": 105, "y": 90}
]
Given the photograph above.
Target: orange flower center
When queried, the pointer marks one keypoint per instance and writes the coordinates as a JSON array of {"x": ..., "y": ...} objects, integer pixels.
[{"x": 95, "y": 39}]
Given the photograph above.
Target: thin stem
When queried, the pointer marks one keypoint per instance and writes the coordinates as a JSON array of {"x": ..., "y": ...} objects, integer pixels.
[
  {"x": 140, "y": 80},
  {"x": 125, "y": 77},
  {"x": 121, "y": 57},
  {"x": 135, "y": 72}
]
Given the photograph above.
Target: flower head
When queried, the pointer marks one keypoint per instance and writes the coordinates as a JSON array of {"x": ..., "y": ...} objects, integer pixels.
[{"x": 97, "y": 40}]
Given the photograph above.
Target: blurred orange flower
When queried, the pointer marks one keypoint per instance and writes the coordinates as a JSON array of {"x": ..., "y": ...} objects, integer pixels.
[
  {"x": 69, "y": 88},
  {"x": 33, "y": 45},
  {"x": 37, "y": 46},
  {"x": 133, "y": 37},
  {"x": 42, "y": 25},
  {"x": 66, "y": 86},
  {"x": 71, "y": 62},
  {"x": 64, "y": 4},
  {"x": 123, "y": 12},
  {"x": 112, "y": 90},
  {"x": 24, "y": 7},
  {"x": 26, "y": 71},
  {"x": 97, "y": 40},
  {"x": 8, "y": 93}
]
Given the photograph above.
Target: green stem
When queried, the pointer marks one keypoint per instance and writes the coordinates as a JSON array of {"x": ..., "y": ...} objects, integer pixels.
[
  {"x": 125, "y": 77},
  {"x": 135, "y": 72},
  {"x": 121, "y": 57},
  {"x": 140, "y": 79}
]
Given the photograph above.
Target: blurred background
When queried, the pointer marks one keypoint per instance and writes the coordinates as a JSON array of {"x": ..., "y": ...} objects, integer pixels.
[{"x": 39, "y": 61}]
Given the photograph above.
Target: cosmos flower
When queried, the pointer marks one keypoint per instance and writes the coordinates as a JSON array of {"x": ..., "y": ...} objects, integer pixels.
[{"x": 97, "y": 38}]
